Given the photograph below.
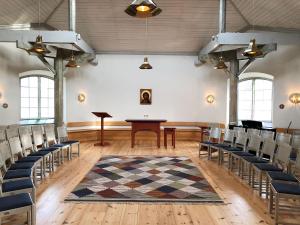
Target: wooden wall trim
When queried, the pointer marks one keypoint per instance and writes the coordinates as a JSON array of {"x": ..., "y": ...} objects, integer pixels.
[{"x": 123, "y": 123}]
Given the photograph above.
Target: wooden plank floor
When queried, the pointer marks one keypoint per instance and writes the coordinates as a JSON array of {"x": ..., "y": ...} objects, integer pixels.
[{"x": 242, "y": 205}]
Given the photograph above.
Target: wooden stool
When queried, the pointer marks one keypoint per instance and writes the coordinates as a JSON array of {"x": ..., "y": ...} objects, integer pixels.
[{"x": 172, "y": 131}]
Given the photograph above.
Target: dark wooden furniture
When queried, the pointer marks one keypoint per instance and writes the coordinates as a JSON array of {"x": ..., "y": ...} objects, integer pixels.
[
  {"x": 102, "y": 115},
  {"x": 172, "y": 132},
  {"x": 204, "y": 130},
  {"x": 145, "y": 125}
]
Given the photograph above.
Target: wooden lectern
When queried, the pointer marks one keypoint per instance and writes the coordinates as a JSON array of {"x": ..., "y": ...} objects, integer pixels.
[{"x": 102, "y": 115}]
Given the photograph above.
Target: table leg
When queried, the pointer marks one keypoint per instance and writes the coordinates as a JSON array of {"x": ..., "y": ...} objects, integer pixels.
[
  {"x": 158, "y": 139},
  {"x": 165, "y": 139},
  {"x": 102, "y": 130}
]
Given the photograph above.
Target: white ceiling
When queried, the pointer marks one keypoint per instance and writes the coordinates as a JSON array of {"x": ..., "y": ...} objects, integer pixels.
[{"x": 183, "y": 27}]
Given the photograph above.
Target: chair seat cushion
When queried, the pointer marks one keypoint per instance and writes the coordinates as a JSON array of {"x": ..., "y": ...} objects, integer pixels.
[
  {"x": 58, "y": 145},
  {"x": 40, "y": 153},
  {"x": 266, "y": 167},
  {"x": 70, "y": 142},
  {"x": 242, "y": 154},
  {"x": 11, "y": 174},
  {"x": 15, "y": 201},
  {"x": 17, "y": 185},
  {"x": 50, "y": 149},
  {"x": 208, "y": 143},
  {"x": 221, "y": 145},
  {"x": 285, "y": 188},
  {"x": 277, "y": 175},
  {"x": 29, "y": 159},
  {"x": 23, "y": 165},
  {"x": 232, "y": 149},
  {"x": 254, "y": 159}
]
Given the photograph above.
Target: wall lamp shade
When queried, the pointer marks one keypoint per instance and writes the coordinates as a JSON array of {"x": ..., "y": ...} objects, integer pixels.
[
  {"x": 295, "y": 98},
  {"x": 39, "y": 47},
  {"x": 210, "y": 99},
  {"x": 146, "y": 65},
  {"x": 143, "y": 8},
  {"x": 81, "y": 97},
  {"x": 221, "y": 64},
  {"x": 252, "y": 51},
  {"x": 72, "y": 62}
]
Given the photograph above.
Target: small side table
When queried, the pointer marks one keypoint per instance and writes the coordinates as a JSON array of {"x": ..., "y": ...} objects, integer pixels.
[{"x": 172, "y": 132}]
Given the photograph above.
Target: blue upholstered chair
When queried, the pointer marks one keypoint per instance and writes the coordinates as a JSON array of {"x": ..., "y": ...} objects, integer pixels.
[
  {"x": 62, "y": 135},
  {"x": 282, "y": 191},
  {"x": 279, "y": 163},
  {"x": 51, "y": 142},
  {"x": 214, "y": 138},
  {"x": 18, "y": 204}
]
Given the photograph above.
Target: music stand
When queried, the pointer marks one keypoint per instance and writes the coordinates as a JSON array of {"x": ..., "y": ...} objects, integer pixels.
[{"x": 102, "y": 115}]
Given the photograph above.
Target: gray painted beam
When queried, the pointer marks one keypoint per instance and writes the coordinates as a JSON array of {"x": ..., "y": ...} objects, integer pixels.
[
  {"x": 222, "y": 16},
  {"x": 245, "y": 66},
  {"x": 47, "y": 64},
  {"x": 58, "y": 88},
  {"x": 72, "y": 15},
  {"x": 50, "y": 37},
  {"x": 234, "y": 69}
]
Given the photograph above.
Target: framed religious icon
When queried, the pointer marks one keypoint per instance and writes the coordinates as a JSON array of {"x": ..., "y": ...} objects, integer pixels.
[{"x": 145, "y": 96}]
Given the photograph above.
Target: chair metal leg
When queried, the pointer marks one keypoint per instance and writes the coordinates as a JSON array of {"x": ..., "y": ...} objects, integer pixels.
[
  {"x": 276, "y": 208},
  {"x": 252, "y": 177},
  {"x": 33, "y": 214},
  {"x": 271, "y": 201},
  {"x": 260, "y": 183},
  {"x": 267, "y": 186},
  {"x": 29, "y": 217}
]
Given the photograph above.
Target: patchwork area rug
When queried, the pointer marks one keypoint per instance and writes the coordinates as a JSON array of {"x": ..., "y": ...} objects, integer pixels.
[{"x": 144, "y": 179}]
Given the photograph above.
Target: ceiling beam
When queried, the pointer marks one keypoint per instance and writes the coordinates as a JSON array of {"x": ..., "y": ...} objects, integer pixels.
[
  {"x": 245, "y": 66},
  {"x": 47, "y": 64},
  {"x": 222, "y": 16},
  {"x": 269, "y": 29},
  {"x": 239, "y": 12}
]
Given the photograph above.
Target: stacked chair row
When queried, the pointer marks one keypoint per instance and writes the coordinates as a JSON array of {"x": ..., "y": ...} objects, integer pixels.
[
  {"x": 268, "y": 163},
  {"x": 26, "y": 154}
]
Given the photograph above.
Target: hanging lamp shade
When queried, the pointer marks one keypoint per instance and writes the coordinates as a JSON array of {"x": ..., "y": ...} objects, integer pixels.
[
  {"x": 143, "y": 8},
  {"x": 72, "y": 62},
  {"x": 252, "y": 50},
  {"x": 221, "y": 64},
  {"x": 39, "y": 47},
  {"x": 146, "y": 65}
]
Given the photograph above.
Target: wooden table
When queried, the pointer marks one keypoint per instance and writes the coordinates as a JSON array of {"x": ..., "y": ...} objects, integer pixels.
[
  {"x": 145, "y": 125},
  {"x": 203, "y": 128},
  {"x": 102, "y": 115}
]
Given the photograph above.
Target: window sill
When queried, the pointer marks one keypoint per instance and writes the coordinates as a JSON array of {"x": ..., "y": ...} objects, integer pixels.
[{"x": 36, "y": 121}]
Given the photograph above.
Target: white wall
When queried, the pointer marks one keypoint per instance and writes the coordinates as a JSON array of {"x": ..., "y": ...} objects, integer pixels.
[
  {"x": 179, "y": 89},
  {"x": 12, "y": 62},
  {"x": 284, "y": 65}
]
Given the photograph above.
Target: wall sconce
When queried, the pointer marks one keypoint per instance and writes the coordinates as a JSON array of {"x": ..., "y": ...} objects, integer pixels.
[
  {"x": 81, "y": 97},
  {"x": 210, "y": 99},
  {"x": 295, "y": 98}
]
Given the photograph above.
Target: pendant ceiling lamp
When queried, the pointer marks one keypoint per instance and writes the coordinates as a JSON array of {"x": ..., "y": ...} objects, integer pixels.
[
  {"x": 252, "y": 51},
  {"x": 72, "y": 62},
  {"x": 38, "y": 46},
  {"x": 143, "y": 8},
  {"x": 221, "y": 64},
  {"x": 146, "y": 65}
]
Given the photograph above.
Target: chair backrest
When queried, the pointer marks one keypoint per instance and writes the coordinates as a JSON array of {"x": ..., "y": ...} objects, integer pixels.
[
  {"x": 296, "y": 141},
  {"x": 5, "y": 152},
  {"x": 15, "y": 148},
  {"x": 213, "y": 125},
  {"x": 50, "y": 134},
  {"x": 38, "y": 137},
  {"x": 3, "y": 145},
  {"x": 241, "y": 139},
  {"x": 239, "y": 129},
  {"x": 296, "y": 132},
  {"x": 229, "y": 136},
  {"x": 25, "y": 129},
  {"x": 267, "y": 134},
  {"x": 215, "y": 133},
  {"x": 268, "y": 149},
  {"x": 251, "y": 131},
  {"x": 26, "y": 141},
  {"x": 2, "y": 135},
  {"x": 62, "y": 133},
  {"x": 254, "y": 143},
  {"x": 297, "y": 164},
  {"x": 282, "y": 156},
  {"x": 283, "y": 138},
  {"x": 12, "y": 132}
]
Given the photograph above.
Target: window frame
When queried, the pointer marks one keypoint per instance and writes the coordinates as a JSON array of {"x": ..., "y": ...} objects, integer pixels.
[
  {"x": 39, "y": 76},
  {"x": 253, "y": 97}
]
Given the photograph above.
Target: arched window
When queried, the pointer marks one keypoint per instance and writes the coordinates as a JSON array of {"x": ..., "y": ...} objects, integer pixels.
[
  {"x": 255, "y": 91},
  {"x": 37, "y": 97}
]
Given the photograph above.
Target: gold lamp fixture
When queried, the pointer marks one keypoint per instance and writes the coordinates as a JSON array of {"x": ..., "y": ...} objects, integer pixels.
[
  {"x": 252, "y": 51},
  {"x": 143, "y": 8},
  {"x": 221, "y": 64},
  {"x": 210, "y": 99},
  {"x": 72, "y": 62},
  {"x": 38, "y": 46},
  {"x": 146, "y": 65},
  {"x": 295, "y": 98}
]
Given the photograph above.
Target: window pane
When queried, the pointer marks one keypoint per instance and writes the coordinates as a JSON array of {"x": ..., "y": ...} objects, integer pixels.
[
  {"x": 33, "y": 81},
  {"x": 24, "y": 102},
  {"x": 263, "y": 100},
  {"x": 25, "y": 82},
  {"x": 51, "y": 113},
  {"x": 245, "y": 100},
  {"x": 51, "y": 103},
  {"x": 51, "y": 93},
  {"x": 33, "y": 92},
  {"x": 44, "y": 102},
  {"x": 44, "y": 112},
  {"x": 44, "y": 92},
  {"x": 34, "y": 102},
  {"x": 34, "y": 113},
  {"x": 24, "y": 113},
  {"x": 24, "y": 92}
]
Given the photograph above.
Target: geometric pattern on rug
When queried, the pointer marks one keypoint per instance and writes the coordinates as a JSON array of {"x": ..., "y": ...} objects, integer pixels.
[{"x": 144, "y": 179}]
